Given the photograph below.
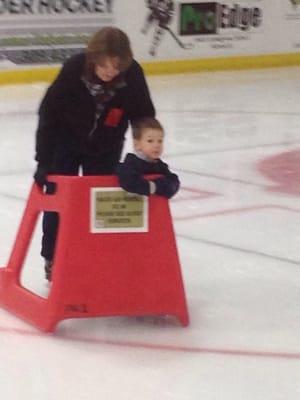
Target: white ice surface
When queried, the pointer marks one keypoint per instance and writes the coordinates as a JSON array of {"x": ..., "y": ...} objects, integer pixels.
[{"x": 239, "y": 245}]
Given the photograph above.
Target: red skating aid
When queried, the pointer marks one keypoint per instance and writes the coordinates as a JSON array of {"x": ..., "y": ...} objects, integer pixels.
[{"x": 96, "y": 274}]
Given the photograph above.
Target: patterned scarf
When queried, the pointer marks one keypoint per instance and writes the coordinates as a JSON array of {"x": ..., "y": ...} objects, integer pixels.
[{"x": 103, "y": 92}]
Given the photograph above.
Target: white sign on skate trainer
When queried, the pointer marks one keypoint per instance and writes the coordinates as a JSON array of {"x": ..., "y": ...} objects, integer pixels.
[{"x": 114, "y": 210}]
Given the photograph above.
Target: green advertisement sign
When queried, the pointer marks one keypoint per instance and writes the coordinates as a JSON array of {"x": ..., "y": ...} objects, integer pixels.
[{"x": 115, "y": 210}]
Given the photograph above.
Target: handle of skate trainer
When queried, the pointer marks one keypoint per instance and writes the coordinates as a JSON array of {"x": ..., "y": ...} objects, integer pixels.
[{"x": 37, "y": 202}]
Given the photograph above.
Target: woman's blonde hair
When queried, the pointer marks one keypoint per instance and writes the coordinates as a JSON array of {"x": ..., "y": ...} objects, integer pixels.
[{"x": 109, "y": 42}]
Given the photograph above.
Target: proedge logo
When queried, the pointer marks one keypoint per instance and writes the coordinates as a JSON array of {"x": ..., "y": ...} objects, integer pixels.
[{"x": 210, "y": 17}]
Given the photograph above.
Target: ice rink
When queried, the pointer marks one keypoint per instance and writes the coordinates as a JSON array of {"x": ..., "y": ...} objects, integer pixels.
[{"x": 234, "y": 140}]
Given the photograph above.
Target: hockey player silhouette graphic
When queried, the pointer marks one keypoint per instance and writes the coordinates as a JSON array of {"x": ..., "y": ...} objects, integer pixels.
[
  {"x": 161, "y": 14},
  {"x": 295, "y": 2},
  {"x": 109, "y": 5}
]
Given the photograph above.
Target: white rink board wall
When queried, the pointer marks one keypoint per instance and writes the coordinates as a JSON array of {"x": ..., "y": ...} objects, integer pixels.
[{"x": 43, "y": 32}]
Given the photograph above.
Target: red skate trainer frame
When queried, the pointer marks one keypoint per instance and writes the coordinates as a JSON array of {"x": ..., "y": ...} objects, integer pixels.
[{"x": 96, "y": 274}]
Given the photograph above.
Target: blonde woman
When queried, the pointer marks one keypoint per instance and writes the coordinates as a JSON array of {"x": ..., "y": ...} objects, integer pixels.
[{"x": 85, "y": 114}]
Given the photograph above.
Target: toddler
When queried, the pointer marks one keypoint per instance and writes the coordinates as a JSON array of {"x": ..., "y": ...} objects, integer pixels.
[{"x": 148, "y": 138}]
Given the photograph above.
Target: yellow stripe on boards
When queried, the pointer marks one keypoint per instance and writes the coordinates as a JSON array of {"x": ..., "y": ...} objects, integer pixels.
[
  {"x": 222, "y": 64},
  {"x": 47, "y": 74}
]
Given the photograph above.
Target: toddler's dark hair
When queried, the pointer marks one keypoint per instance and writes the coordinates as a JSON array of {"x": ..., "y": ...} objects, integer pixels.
[{"x": 140, "y": 124}]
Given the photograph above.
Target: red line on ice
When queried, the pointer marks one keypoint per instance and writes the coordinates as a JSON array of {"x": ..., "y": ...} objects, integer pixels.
[{"x": 157, "y": 347}]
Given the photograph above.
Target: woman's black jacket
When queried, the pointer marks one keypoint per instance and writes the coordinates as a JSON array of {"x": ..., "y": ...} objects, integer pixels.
[{"x": 67, "y": 115}]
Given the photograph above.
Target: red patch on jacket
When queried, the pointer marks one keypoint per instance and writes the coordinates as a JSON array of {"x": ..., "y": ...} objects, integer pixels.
[{"x": 113, "y": 117}]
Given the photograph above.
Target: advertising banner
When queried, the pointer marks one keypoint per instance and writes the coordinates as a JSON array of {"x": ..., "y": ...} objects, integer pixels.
[
  {"x": 191, "y": 29},
  {"x": 47, "y": 31},
  {"x": 35, "y": 32}
]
